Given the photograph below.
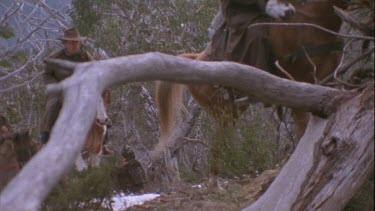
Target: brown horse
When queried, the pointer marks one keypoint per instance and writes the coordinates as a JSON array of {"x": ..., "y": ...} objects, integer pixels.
[
  {"x": 93, "y": 148},
  {"x": 16, "y": 148},
  {"x": 305, "y": 53},
  {"x": 9, "y": 165},
  {"x": 308, "y": 54},
  {"x": 25, "y": 146}
]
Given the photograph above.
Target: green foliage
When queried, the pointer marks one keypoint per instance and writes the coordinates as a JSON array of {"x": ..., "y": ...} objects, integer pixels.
[
  {"x": 6, "y": 32},
  {"x": 83, "y": 190},
  {"x": 89, "y": 14},
  {"x": 142, "y": 26},
  {"x": 20, "y": 56},
  {"x": 245, "y": 149},
  {"x": 189, "y": 176},
  {"x": 5, "y": 63}
]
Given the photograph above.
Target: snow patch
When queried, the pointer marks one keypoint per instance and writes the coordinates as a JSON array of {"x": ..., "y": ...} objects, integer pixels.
[{"x": 121, "y": 201}]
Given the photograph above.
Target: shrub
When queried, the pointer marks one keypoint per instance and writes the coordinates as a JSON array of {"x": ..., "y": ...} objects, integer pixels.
[
  {"x": 246, "y": 148},
  {"x": 189, "y": 176},
  {"x": 83, "y": 190}
]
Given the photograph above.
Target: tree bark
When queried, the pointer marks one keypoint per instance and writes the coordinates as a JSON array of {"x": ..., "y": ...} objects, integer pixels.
[{"x": 90, "y": 79}]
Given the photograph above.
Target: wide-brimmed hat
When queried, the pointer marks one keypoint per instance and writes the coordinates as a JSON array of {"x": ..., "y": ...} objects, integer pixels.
[{"x": 72, "y": 34}]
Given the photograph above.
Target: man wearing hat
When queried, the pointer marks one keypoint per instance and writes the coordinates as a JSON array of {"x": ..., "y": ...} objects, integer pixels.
[{"x": 72, "y": 52}]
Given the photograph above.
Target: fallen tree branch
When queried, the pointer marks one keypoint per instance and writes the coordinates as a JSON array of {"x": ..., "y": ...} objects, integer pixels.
[
  {"x": 84, "y": 88},
  {"x": 156, "y": 66}
]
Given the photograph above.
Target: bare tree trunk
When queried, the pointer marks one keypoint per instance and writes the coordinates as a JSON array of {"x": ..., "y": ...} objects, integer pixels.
[
  {"x": 216, "y": 23},
  {"x": 332, "y": 160},
  {"x": 90, "y": 79}
]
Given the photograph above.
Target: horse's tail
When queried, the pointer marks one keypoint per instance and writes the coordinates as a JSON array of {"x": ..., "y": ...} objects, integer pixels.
[{"x": 169, "y": 100}]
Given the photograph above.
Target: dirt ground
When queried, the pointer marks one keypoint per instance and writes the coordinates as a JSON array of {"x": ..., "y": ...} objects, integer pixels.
[{"x": 237, "y": 194}]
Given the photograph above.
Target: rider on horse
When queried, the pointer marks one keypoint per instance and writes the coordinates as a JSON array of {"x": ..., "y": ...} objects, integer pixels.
[
  {"x": 72, "y": 52},
  {"x": 234, "y": 41}
]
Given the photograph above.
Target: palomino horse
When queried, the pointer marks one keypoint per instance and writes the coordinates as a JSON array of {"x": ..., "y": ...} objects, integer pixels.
[
  {"x": 93, "y": 148},
  {"x": 306, "y": 53}
]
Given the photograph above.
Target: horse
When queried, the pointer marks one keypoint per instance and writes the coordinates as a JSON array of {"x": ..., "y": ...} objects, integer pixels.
[
  {"x": 315, "y": 52},
  {"x": 16, "y": 148},
  {"x": 307, "y": 54},
  {"x": 25, "y": 146},
  {"x": 93, "y": 147},
  {"x": 9, "y": 165}
]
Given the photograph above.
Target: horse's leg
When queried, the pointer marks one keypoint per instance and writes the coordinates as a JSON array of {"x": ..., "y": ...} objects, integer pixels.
[
  {"x": 221, "y": 110},
  {"x": 300, "y": 120},
  {"x": 80, "y": 163},
  {"x": 95, "y": 138},
  {"x": 221, "y": 132},
  {"x": 213, "y": 179},
  {"x": 97, "y": 141},
  {"x": 95, "y": 159}
]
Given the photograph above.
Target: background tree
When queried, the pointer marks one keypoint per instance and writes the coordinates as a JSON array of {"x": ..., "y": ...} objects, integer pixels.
[{"x": 28, "y": 32}]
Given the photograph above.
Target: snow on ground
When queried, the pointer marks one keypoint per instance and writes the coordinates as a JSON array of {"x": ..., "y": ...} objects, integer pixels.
[{"x": 122, "y": 201}]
